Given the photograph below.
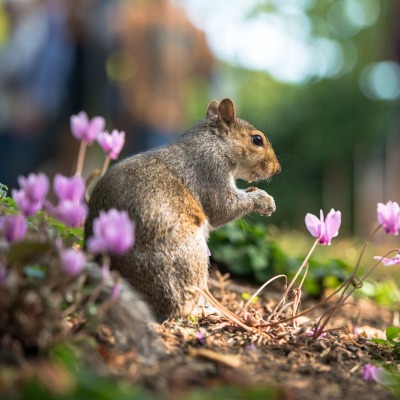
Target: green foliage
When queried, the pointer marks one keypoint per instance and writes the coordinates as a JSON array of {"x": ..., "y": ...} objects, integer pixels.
[
  {"x": 66, "y": 232},
  {"x": 385, "y": 293},
  {"x": 236, "y": 393},
  {"x": 36, "y": 292},
  {"x": 244, "y": 250},
  {"x": 249, "y": 251},
  {"x": 7, "y": 204},
  {"x": 392, "y": 339},
  {"x": 3, "y": 191},
  {"x": 54, "y": 226},
  {"x": 36, "y": 298},
  {"x": 329, "y": 273}
]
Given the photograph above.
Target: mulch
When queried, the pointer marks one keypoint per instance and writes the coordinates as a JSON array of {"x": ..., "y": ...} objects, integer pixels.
[{"x": 208, "y": 352}]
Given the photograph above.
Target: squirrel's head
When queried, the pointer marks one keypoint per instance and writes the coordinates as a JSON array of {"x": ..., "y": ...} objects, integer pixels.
[{"x": 250, "y": 152}]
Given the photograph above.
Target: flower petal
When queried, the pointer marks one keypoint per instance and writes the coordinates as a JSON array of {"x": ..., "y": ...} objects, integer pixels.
[
  {"x": 13, "y": 227},
  {"x": 69, "y": 188},
  {"x": 332, "y": 223},
  {"x": 79, "y": 125},
  {"x": 389, "y": 217},
  {"x": 387, "y": 262},
  {"x": 72, "y": 261},
  {"x": 113, "y": 232},
  {"x": 96, "y": 125},
  {"x": 313, "y": 225}
]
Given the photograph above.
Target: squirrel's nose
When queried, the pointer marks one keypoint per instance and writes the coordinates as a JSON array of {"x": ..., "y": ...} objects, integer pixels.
[{"x": 277, "y": 168}]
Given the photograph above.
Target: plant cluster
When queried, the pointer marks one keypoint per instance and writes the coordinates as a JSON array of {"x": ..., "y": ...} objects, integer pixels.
[
  {"x": 253, "y": 252},
  {"x": 45, "y": 294}
]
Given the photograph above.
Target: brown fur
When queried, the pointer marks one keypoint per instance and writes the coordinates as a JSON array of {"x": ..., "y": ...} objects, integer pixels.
[{"x": 176, "y": 195}]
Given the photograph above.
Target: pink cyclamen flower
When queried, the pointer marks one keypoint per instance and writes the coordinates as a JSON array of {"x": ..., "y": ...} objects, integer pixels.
[
  {"x": 72, "y": 262},
  {"x": 370, "y": 372},
  {"x": 84, "y": 129},
  {"x": 378, "y": 374},
  {"x": 311, "y": 333},
  {"x": 70, "y": 212},
  {"x": 326, "y": 229},
  {"x": 389, "y": 217},
  {"x": 72, "y": 189},
  {"x": 32, "y": 193},
  {"x": 200, "y": 336},
  {"x": 387, "y": 262},
  {"x": 112, "y": 143},
  {"x": 13, "y": 227},
  {"x": 113, "y": 232}
]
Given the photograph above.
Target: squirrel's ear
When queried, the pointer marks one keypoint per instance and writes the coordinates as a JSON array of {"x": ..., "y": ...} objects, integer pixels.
[
  {"x": 226, "y": 111},
  {"x": 212, "y": 108}
]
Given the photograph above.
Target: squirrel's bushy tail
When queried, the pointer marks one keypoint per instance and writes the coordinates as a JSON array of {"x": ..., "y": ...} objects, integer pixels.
[{"x": 128, "y": 316}]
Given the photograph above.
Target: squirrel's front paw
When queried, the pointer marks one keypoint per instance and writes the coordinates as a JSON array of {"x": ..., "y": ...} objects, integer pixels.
[{"x": 264, "y": 204}]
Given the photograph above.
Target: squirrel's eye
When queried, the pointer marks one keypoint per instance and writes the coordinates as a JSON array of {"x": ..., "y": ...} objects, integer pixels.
[{"x": 257, "y": 140}]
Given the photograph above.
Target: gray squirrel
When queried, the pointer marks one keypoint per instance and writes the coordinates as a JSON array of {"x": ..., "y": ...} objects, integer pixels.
[{"x": 176, "y": 195}]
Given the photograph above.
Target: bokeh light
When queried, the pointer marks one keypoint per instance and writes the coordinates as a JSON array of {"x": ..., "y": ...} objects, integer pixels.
[
  {"x": 362, "y": 13},
  {"x": 381, "y": 81}
]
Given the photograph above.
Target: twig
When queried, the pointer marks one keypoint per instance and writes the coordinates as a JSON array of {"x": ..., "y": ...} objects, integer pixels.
[{"x": 227, "y": 313}]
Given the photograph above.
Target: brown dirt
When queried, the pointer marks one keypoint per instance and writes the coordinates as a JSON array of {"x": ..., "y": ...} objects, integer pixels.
[{"x": 212, "y": 352}]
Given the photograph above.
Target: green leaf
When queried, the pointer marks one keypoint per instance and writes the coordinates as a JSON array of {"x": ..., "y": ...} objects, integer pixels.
[
  {"x": 379, "y": 341},
  {"x": 247, "y": 296},
  {"x": 9, "y": 205},
  {"x": 65, "y": 354},
  {"x": 392, "y": 333},
  {"x": 3, "y": 191},
  {"x": 27, "y": 252}
]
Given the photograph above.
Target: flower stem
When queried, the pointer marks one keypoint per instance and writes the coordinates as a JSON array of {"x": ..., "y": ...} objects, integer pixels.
[
  {"x": 81, "y": 158},
  {"x": 349, "y": 283},
  {"x": 353, "y": 275},
  {"x": 105, "y": 165},
  {"x": 89, "y": 181},
  {"x": 295, "y": 277},
  {"x": 260, "y": 289}
]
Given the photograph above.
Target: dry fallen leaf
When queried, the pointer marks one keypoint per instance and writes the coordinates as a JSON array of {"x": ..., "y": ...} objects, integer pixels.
[{"x": 226, "y": 359}]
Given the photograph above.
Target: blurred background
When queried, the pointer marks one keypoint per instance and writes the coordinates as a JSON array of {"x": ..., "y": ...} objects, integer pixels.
[{"x": 320, "y": 78}]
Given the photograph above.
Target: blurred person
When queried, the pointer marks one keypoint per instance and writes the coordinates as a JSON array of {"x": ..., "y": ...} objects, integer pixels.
[
  {"x": 160, "y": 53},
  {"x": 34, "y": 66}
]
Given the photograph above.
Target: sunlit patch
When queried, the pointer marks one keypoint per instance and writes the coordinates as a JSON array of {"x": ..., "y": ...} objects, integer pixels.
[{"x": 297, "y": 46}]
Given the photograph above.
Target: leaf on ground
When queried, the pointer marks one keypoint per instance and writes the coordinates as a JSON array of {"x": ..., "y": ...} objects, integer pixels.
[{"x": 229, "y": 360}]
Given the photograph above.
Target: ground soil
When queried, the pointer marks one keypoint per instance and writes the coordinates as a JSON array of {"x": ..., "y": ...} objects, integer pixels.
[{"x": 212, "y": 351}]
